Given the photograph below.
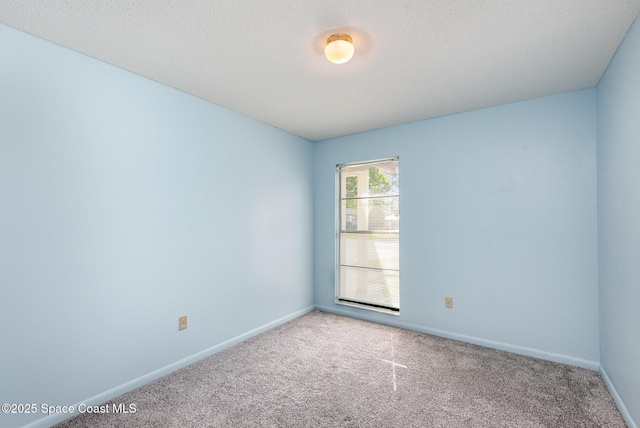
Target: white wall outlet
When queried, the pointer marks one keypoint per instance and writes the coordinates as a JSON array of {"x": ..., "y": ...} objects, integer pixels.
[
  {"x": 448, "y": 302},
  {"x": 182, "y": 323}
]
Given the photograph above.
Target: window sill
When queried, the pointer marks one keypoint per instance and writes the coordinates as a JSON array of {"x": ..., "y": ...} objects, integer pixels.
[{"x": 367, "y": 307}]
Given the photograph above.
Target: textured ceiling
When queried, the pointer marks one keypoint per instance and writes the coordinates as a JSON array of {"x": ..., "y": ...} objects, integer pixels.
[{"x": 415, "y": 59}]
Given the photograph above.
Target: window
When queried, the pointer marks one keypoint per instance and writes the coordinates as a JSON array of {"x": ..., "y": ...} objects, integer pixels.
[{"x": 368, "y": 267}]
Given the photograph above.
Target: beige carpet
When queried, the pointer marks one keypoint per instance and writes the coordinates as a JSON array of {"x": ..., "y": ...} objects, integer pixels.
[{"x": 322, "y": 370}]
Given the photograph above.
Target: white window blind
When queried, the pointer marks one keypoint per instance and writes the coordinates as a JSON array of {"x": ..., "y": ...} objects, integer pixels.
[{"x": 368, "y": 234}]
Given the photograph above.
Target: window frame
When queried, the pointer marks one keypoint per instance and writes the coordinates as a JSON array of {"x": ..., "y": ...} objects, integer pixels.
[{"x": 338, "y": 230}]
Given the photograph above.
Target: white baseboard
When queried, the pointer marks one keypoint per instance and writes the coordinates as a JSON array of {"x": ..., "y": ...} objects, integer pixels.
[
  {"x": 530, "y": 352},
  {"x": 142, "y": 380},
  {"x": 616, "y": 397}
]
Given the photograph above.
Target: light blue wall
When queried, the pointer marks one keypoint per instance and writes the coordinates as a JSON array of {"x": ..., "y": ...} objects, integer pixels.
[
  {"x": 125, "y": 204},
  {"x": 498, "y": 210},
  {"x": 619, "y": 221}
]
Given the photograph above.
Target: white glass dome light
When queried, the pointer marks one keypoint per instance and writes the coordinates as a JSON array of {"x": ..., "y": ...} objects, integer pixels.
[{"x": 339, "y": 48}]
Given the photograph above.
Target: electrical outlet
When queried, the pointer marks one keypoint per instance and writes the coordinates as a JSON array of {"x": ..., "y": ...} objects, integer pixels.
[
  {"x": 448, "y": 302},
  {"x": 182, "y": 323}
]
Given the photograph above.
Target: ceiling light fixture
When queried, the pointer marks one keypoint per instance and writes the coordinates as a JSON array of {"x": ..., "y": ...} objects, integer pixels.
[{"x": 339, "y": 48}]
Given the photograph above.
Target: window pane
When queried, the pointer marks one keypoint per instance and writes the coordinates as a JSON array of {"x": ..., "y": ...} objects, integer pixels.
[
  {"x": 376, "y": 287},
  {"x": 371, "y": 214},
  {"x": 377, "y": 179},
  {"x": 377, "y": 251}
]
